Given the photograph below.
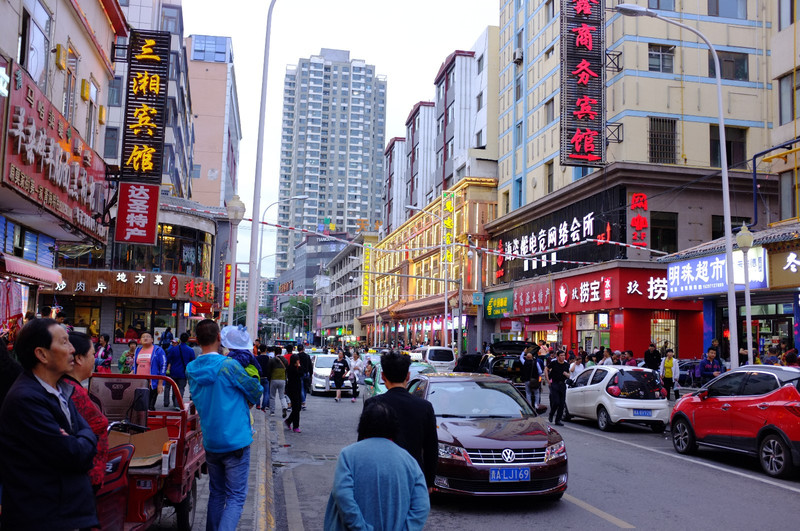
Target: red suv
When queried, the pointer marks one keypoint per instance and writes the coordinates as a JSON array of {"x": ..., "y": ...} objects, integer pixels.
[{"x": 753, "y": 410}]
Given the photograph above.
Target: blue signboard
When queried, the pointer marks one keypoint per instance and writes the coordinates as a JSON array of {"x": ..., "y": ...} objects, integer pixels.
[{"x": 707, "y": 275}]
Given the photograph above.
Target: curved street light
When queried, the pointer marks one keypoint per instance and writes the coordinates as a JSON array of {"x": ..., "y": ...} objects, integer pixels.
[{"x": 236, "y": 209}]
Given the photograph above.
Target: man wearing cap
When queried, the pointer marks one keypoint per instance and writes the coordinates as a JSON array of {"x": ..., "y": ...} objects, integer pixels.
[{"x": 223, "y": 393}]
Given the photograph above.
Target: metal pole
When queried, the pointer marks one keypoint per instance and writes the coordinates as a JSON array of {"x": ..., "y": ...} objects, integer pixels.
[
  {"x": 460, "y": 315},
  {"x": 234, "y": 270},
  {"x": 255, "y": 233},
  {"x": 374, "y": 317},
  {"x": 479, "y": 312},
  {"x": 748, "y": 316},
  {"x": 446, "y": 342}
]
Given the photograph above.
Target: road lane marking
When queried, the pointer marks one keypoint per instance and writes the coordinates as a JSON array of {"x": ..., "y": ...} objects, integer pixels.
[
  {"x": 692, "y": 460},
  {"x": 293, "y": 517},
  {"x": 622, "y": 524}
]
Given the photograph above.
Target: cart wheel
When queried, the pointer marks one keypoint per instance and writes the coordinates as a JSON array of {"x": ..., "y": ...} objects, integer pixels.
[{"x": 185, "y": 510}]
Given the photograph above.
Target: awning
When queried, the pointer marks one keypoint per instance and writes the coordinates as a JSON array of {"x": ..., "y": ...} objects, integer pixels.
[
  {"x": 541, "y": 327},
  {"x": 201, "y": 307},
  {"x": 30, "y": 270}
]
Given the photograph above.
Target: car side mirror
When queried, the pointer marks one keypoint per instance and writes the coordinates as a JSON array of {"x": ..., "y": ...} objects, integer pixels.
[
  {"x": 702, "y": 395},
  {"x": 369, "y": 381}
]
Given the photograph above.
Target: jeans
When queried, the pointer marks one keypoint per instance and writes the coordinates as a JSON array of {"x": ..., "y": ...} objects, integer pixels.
[
  {"x": 181, "y": 383},
  {"x": 227, "y": 488},
  {"x": 277, "y": 390},
  {"x": 532, "y": 394},
  {"x": 264, "y": 402}
]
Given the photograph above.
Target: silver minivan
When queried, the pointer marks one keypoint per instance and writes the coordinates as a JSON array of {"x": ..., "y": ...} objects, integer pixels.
[{"x": 443, "y": 359}]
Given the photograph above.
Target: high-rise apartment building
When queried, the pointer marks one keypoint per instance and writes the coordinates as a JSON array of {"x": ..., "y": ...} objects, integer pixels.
[
  {"x": 218, "y": 129},
  {"x": 333, "y": 127}
]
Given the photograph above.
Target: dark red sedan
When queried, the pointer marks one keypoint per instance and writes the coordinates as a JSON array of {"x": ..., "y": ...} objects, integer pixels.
[
  {"x": 753, "y": 410},
  {"x": 490, "y": 440}
]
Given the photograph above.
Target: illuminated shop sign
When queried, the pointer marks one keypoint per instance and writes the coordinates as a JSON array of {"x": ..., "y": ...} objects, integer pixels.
[
  {"x": 145, "y": 106},
  {"x": 533, "y": 298},
  {"x": 227, "y": 289},
  {"x": 639, "y": 222},
  {"x": 600, "y": 217},
  {"x": 48, "y": 162},
  {"x": 137, "y": 214},
  {"x": 133, "y": 284},
  {"x": 499, "y": 303},
  {"x": 583, "y": 121},
  {"x": 448, "y": 228},
  {"x": 365, "y": 280},
  {"x": 707, "y": 275}
]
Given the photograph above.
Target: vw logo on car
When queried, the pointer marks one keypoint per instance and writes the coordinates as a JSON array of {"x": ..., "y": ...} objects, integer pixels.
[{"x": 508, "y": 455}]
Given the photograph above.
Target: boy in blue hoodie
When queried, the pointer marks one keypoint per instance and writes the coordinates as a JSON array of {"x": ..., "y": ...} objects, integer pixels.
[{"x": 223, "y": 393}]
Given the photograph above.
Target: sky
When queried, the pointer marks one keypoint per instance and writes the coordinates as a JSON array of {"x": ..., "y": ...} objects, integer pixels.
[{"x": 406, "y": 41}]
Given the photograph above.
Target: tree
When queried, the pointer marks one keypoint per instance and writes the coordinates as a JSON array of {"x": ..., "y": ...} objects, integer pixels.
[{"x": 296, "y": 312}]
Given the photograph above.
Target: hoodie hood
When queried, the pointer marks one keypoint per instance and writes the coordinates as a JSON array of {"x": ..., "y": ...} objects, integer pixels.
[{"x": 205, "y": 368}]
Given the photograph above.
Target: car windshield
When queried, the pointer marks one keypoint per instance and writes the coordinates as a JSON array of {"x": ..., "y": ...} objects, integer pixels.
[
  {"x": 421, "y": 368},
  {"x": 324, "y": 362},
  {"x": 637, "y": 384},
  {"x": 440, "y": 354},
  {"x": 477, "y": 399}
]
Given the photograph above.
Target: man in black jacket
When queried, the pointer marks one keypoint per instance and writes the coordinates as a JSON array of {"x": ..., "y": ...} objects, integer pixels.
[
  {"x": 652, "y": 358},
  {"x": 530, "y": 375},
  {"x": 307, "y": 368},
  {"x": 46, "y": 446},
  {"x": 417, "y": 432}
]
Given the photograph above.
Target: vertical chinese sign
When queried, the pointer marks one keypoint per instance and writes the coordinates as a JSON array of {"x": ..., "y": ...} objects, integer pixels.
[
  {"x": 639, "y": 222},
  {"x": 143, "y": 135},
  {"x": 583, "y": 117},
  {"x": 448, "y": 228},
  {"x": 365, "y": 281},
  {"x": 228, "y": 274}
]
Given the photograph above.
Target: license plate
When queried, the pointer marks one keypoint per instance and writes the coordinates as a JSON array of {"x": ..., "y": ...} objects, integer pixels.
[
  {"x": 498, "y": 475},
  {"x": 642, "y": 412}
]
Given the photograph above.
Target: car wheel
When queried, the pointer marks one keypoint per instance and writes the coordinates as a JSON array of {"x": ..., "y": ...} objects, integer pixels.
[
  {"x": 185, "y": 510},
  {"x": 603, "y": 419},
  {"x": 567, "y": 415},
  {"x": 683, "y": 437},
  {"x": 658, "y": 427},
  {"x": 775, "y": 456}
]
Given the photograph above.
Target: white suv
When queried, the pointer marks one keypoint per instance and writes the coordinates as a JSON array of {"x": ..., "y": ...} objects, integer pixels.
[{"x": 443, "y": 359}]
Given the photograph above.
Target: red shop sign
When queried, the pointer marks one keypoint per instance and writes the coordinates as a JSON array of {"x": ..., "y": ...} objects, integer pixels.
[
  {"x": 173, "y": 286},
  {"x": 137, "y": 214}
]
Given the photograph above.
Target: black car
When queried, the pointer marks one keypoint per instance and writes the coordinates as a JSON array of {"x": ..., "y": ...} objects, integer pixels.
[
  {"x": 504, "y": 360},
  {"x": 491, "y": 442}
]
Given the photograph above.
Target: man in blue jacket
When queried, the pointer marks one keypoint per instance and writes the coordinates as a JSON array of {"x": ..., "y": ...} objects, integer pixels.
[
  {"x": 223, "y": 393},
  {"x": 46, "y": 446},
  {"x": 178, "y": 358}
]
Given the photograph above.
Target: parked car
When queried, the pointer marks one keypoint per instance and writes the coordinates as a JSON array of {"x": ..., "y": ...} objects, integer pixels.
[
  {"x": 504, "y": 360},
  {"x": 469, "y": 363},
  {"x": 320, "y": 376},
  {"x": 611, "y": 394},
  {"x": 373, "y": 385},
  {"x": 442, "y": 358},
  {"x": 753, "y": 410},
  {"x": 491, "y": 443}
]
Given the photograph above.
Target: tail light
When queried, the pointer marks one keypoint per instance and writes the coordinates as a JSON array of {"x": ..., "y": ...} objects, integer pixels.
[
  {"x": 613, "y": 390},
  {"x": 793, "y": 408},
  {"x": 663, "y": 392}
]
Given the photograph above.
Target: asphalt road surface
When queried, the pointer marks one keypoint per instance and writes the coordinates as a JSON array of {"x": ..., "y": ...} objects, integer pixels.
[{"x": 628, "y": 478}]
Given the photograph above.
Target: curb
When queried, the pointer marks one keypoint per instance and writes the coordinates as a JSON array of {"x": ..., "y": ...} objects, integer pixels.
[{"x": 265, "y": 492}]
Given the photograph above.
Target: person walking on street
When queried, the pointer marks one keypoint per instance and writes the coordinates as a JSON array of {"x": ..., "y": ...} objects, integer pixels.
[
  {"x": 377, "y": 484},
  {"x": 223, "y": 392},
  {"x": 339, "y": 370},
  {"x": 710, "y": 367},
  {"x": 307, "y": 368},
  {"x": 417, "y": 433},
  {"x": 530, "y": 375},
  {"x": 151, "y": 359},
  {"x": 277, "y": 381},
  {"x": 125, "y": 363},
  {"x": 263, "y": 360},
  {"x": 670, "y": 372},
  {"x": 178, "y": 357},
  {"x": 557, "y": 372},
  {"x": 294, "y": 385},
  {"x": 104, "y": 354},
  {"x": 356, "y": 373},
  {"x": 652, "y": 357}
]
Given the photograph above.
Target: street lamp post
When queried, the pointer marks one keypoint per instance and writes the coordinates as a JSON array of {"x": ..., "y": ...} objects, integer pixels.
[
  {"x": 479, "y": 285},
  {"x": 633, "y": 10},
  {"x": 745, "y": 241},
  {"x": 309, "y": 313},
  {"x": 236, "y": 209}
]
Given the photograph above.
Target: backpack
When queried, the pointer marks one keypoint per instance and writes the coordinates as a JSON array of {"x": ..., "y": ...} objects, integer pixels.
[{"x": 252, "y": 371}]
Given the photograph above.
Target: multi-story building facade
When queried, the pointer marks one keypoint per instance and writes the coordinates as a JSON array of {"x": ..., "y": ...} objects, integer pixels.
[
  {"x": 179, "y": 130},
  {"x": 56, "y": 70},
  {"x": 660, "y": 189},
  {"x": 334, "y": 118},
  {"x": 216, "y": 119}
]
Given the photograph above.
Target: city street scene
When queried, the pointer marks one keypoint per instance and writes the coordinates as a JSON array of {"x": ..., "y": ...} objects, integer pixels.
[{"x": 462, "y": 264}]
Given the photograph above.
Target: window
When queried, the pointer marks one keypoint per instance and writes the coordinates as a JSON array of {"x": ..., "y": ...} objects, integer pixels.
[
  {"x": 479, "y": 101},
  {"x": 480, "y": 64},
  {"x": 599, "y": 375},
  {"x": 196, "y": 169},
  {"x": 785, "y": 13},
  {"x": 111, "y": 143},
  {"x": 549, "y": 10},
  {"x": 91, "y": 114},
  {"x": 479, "y": 139},
  {"x": 549, "y": 111},
  {"x": 735, "y": 146},
  {"x": 728, "y": 8},
  {"x": 520, "y": 40},
  {"x": 70, "y": 85},
  {"x": 518, "y": 88},
  {"x": 506, "y": 203},
  {"x": 518, "y": 135},
  {"x": 171, "y": 20},
  {"x": 718, "y": 225},
  {"x": 787, "y": 194},
  {"x": 666, "y": 5},
  {"x": 759, "y": 383},
  {"x": 549, "y": 178},
  {"x": 733, "y": 65},
  {"x": 661, "y": 58},
  {"x": 664, "y": 231},
  {"x": 728, "y": 385},
  {"x": 787, "y": 97},
  {"x": 582, "y": 379},
  {"x": 115, "y": 92},
  {"x": 663, "y": 140},
  {"x": 519, "y": 190},
  {"x": 34, "y": 41},
  {"x": 549, "y": 53}
]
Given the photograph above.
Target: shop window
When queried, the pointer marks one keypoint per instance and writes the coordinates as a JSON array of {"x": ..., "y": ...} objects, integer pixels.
[
  {"x": 664, "y": 231},
  {"x": 718, "y": 225},
  {"x": 664, "y": 328}
]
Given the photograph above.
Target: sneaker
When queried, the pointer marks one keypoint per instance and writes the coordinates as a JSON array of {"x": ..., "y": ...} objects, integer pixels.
[
  {"x": 304, "y": 408},
  {"x": 352, "y": 400},
  {"x": 287, "y": 424},
  {"x": 271, "y": 413},
  {"x": 559, "y": 423},
  {"x": 297, "y": 430},
  {"x": 335, "y": 399}
]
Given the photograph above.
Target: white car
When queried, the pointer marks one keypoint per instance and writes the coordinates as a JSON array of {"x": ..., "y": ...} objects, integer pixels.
[
  {"x": 611, "y": 394},
  {"x": 443, "y": 359},
  {"x": 320, "y": 376}
]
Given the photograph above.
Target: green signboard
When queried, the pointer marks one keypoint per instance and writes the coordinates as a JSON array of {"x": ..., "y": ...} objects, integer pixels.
[{"x": 499, "y": 303}]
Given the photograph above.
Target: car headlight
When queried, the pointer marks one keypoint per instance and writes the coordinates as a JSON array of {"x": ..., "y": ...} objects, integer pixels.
[
  {"x": 554, "y": 451},
  {"x": 456, "y": 453}
]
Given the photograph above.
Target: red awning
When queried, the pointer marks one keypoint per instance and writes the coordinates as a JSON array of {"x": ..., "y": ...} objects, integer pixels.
[
  {"x": 201, "y": 307},
  {"x": 541, "y": 327},
  {"x": 31, "y": 270}
]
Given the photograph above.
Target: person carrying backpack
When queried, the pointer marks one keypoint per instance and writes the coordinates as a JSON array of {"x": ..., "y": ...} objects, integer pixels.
[
  {"x": 178, "y": 357},
  {"x": 277, "y": 381}
]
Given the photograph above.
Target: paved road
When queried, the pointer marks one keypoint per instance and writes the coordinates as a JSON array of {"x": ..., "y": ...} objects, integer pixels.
[{"x": 628, "y": 478}]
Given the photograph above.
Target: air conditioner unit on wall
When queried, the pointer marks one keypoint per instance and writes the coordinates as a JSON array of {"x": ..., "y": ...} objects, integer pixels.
[{"x": 518, "y": 57}]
